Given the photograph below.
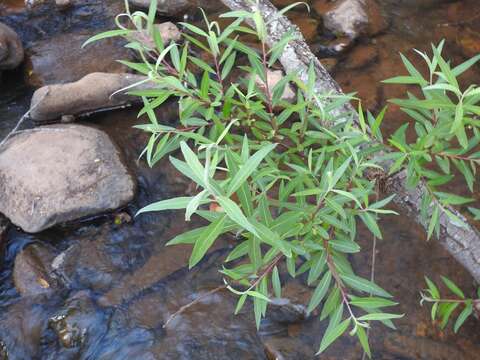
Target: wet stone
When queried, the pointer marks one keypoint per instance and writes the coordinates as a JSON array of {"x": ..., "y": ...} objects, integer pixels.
[
  {"x": 3, "y": 351},
  {"x": 165, "y": 7},
  {"x": 72, "y": 322},
  {"x": 77, "y": 62},
  {"x": 11, "y": 49},
  {"x": 32, "y": 272},
  {"x": 91, "y": 94},
  {"x": 74, "y": 172},
  {"x": 361, "y": 56},
  {"x": 3, "y": 237}
]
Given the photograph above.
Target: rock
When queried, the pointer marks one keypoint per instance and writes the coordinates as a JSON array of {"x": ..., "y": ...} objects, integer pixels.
[
  {"x": 348, "y": 17},
  {"x": 168, "y": 31},
  {"x": 308, "y": 26},
  {"x": 11, "y": 49},
  {"x": 90, "y": 94},
  {"x": 361, "y": 56},
  {"x": 354, "y": 17},
  {"x": 165, "y": 7},
  {"x": 32, "y": 272},
  {"x": 408, "y": 347},
  {"x": 283, "y": 310},
  {"x": 3, "y": 238},
  {"x": 469, "y": 42},
  {"x": 77, "y": 62},
  {"x": 61, "y": 173},
  {"x": 72, "y": 322},
  {"x": 329, "y": 64},
  {"x": 274, "y": 76},
  {"x": 64, "y": 4},
  {"x": 3, "y": 351}
]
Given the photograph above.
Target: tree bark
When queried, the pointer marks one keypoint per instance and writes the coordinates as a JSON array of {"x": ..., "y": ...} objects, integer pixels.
[{"x": 462, "y": 243}]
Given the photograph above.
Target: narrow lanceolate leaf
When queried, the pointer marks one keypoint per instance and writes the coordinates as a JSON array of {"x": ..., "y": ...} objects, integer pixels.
[
  {"x": 277, "y": 286},
  {"x": 371, "y": 224},
  {"x": 193, "y": 163},
  {"x": 433, "y": 222},
  {"x": 235, "y": 214},
  {"x": 189, "y": 237},
  {"x": 320, "y": 292},
  {"x": 463, "y": 316},
  {"x": 248, "y": 168},
  {"x": 333, "y": 335},
  {"x": 170, "y": 204},
  {"x": 363, "y": 338},
  {"x": 380, "y": 316},
  {"x": 105, "y": 35},
  {"x": 206, "y": 240},
  {"x": 453, "y": 288},
  {"x": 433, "y": 288},
  {"x": 364, "y": 285},
  {"x": 371, "y": 302}
]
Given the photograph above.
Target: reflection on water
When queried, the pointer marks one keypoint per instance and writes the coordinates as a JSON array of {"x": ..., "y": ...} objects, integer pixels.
[{"x": 121, "y": 283}]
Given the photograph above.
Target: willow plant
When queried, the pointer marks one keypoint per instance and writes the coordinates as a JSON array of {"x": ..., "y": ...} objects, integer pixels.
[{"x": 286, "y": 176}]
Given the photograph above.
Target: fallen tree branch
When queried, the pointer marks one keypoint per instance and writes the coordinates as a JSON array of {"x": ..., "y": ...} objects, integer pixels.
[{"x": 462, "y": 243}]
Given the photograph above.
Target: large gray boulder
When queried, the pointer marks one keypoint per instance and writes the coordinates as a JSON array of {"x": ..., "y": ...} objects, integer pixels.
[
  {"x": 94, "y": 92},
  {"x": 11, "y": 49},
  {"x": 60, "y": 173}
]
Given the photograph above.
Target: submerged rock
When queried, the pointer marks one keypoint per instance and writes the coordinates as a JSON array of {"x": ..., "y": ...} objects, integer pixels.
[
  {"x": 71, "y": 324},
  {"x": 95, "y": 92},
  {"x": 165, "y": 7},
  {"x": 168, "y": 31},
  {"x": 354, "y": 17},
  {"x": 56, "y": 174},
  {"x": 71, "y": 61},
  {"x": 11, "y": 49},
  {"x": 348, "y": 17},
  {"x": 32, "y": 272}
]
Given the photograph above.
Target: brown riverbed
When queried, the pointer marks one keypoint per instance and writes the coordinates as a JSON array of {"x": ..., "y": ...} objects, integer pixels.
[{"x": 123, "y": 282}]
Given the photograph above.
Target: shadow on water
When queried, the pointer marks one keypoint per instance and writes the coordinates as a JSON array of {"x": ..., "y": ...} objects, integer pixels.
[{"x": 120, "y": 284}]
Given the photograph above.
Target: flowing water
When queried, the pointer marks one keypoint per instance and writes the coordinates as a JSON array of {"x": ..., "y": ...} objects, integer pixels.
[{"x": 123, "y": 284}]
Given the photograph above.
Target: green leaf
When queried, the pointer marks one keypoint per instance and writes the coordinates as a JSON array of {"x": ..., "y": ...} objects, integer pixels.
[
  {"x": 379, "y": 316},
  {"x": 371, "y": 302},
  {"x": 371, "y": 224},
  {"x": 241, "y": 302},
  {"x": 433, "y": 288},
  {"x": 446, "y": 312},
  {"x": 248, "y": 168},
  {"x": 364, "y": 285},
  {"x": 193, "y": 163},
  {"x": 235, "y": 214},
  {"x": 188, "y": 237},
  {"x": 433, "y": 221},
  {"x": 333, "y": 334},
  {"x": 453, "y": 287},
  {"x": 277, "y": 286},
  {"x": 463, "y": 316},
  {"x": 318, "y": 264},
  {"x": 206, "y": 240},
  {"x": 362, "y": 337},
  {"x": 320, "y": 291},
  {"x": 105, "y": 35},
  {"x": 170, "y": 204}
]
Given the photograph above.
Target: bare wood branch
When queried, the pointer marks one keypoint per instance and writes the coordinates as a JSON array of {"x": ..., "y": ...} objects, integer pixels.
[{"x": 462, "y": 243}]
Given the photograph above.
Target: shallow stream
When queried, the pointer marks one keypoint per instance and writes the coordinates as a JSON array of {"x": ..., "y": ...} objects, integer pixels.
[{"x": 124, "y": 284}]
